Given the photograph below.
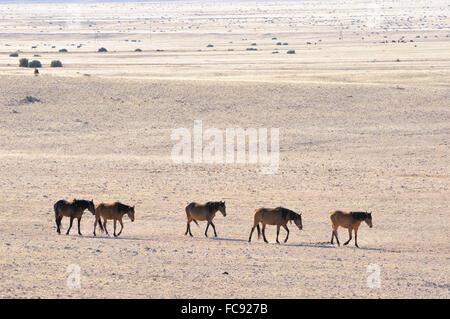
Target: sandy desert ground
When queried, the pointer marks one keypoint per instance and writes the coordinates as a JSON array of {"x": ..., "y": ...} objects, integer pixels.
[{"x": 363, "y": 113}]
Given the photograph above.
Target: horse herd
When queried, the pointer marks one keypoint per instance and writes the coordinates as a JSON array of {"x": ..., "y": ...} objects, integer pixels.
[{"x": 278, "y": 216}]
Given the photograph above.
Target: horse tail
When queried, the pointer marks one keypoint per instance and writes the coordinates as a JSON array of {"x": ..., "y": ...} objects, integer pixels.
[
  {"x": 259, "y": 231},
  {"x": 188, "y": 210},
  {"x": 55, "y": 208},
  {"x": 100, "y": 225}
]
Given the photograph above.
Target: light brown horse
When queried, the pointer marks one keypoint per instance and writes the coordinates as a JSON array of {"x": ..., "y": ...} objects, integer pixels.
[
  {"x": 274, "y": 216},
  {"x": 200, "y": 212},
  {"x": 114, "y": 211},
  {"x": 74, "y": 209},
  {"x": 349, "y": 220}
]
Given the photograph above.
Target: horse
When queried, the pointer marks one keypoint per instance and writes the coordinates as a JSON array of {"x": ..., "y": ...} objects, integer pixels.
[
  {"x": 74, "y": 209},
  {"x": 200, "y": 212},
  {"x": 274, "y": 216},
  {"x": 114, "y": 211},
  {"x": 349, "y": 220}
]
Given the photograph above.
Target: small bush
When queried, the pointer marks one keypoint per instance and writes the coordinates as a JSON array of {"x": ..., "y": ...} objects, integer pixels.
[
  {"x": 35, "y": 64},
  {"x": 291, "y": 52},
  {"x": 102, "y": 50},
  {"x": 138, "y": 50},
  {"x": 56, "y": 64},
  {"x": 23, "y": 63},
  {"x": 279, "y": 43},
  {"x": 63, "y": 50},
  {"x": 252, "y": 49},
  {"x": 31, "y": 99},
  {"x": 14, "y": 54},
  {"x": 210, "y": 46}
]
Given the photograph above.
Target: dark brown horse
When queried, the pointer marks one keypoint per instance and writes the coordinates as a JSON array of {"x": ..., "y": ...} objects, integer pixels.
[
  {"x": 274, "y": 216},
  {"x": 74, "y": 209},
  {"x": 114, "y": 211},
  {"x": 351, "y": 221},
  {"x": 195, "y": 212}
]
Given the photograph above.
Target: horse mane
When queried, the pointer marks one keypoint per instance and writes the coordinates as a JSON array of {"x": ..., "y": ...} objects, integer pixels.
[
  {"x": 359, "y": 215},
  {"x": 80, "y": 203},
  {"x": 287, "y": 213},
  {"x": 122, "y": 207},
  {"x": 213, "y": 205}
]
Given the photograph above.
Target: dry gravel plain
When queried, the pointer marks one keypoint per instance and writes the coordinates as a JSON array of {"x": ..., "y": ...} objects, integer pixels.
[{"x": 364, "y": 125}]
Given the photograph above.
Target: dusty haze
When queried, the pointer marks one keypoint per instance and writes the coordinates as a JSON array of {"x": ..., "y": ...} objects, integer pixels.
[{"x": 363, "y": 112}]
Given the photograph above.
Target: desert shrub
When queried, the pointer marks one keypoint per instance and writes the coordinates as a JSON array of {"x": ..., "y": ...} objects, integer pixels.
[
  {"x": 14, "y": 54},
  {"x": 291, "y": 52},
  {"x": 56, "y": 64},
  {"x": 63, "y": 50},
  {"x": 138, "y": 50},
  {"x": 23, "y": 63},
  {"x": 34, "y": 64},
  {"x": 102, "y": 50},
  {"x": 278, "y": 43},
  {"x": 210, "y": 46},
  {"x": 252, "y": 49},
  {"x": 30, "y": 99}
]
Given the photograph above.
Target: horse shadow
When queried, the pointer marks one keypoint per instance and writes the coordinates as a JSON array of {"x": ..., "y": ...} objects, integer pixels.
[
  {"x": 229, "y": 239},
  {"x": 312, "y": 245},
  {"x": 114, "y": 238}
]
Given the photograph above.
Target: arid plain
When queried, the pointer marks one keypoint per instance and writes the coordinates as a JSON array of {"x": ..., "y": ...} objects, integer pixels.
[{"x": 363, "y": 112}]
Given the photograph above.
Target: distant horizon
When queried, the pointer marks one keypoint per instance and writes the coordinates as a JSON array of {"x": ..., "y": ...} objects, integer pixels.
[{"x": 84, "y": 1}]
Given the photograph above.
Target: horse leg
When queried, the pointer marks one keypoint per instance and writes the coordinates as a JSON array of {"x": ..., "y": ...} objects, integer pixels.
[
  {"x": 115, "y": 224},
  {"x": 95, "y": 224},
  {"x": 251, "y": 233},
  {"x": 214, "y": 227},
  {"x": 278, "y": 232},
  {"x": 287, "y": 235},
  {"x": 70, "y": 226},
  {"x": 349, "y": 235},
  {"x": 264, "y": 233},
  {"x": 79, "y": 229},
  {"x": 206, "y": 230},
  {"x": 335, "y": 235},
  {"x": 356, "y": 237},
  {"x": 104, "y": 226},
  {"x": 187, "y": 228},
  {"x": 121, "y": 227}
]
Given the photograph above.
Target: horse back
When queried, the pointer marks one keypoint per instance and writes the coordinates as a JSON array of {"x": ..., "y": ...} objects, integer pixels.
[
  {"x": 271, "y": 216},
  {"x": 107, "y": 210}
]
